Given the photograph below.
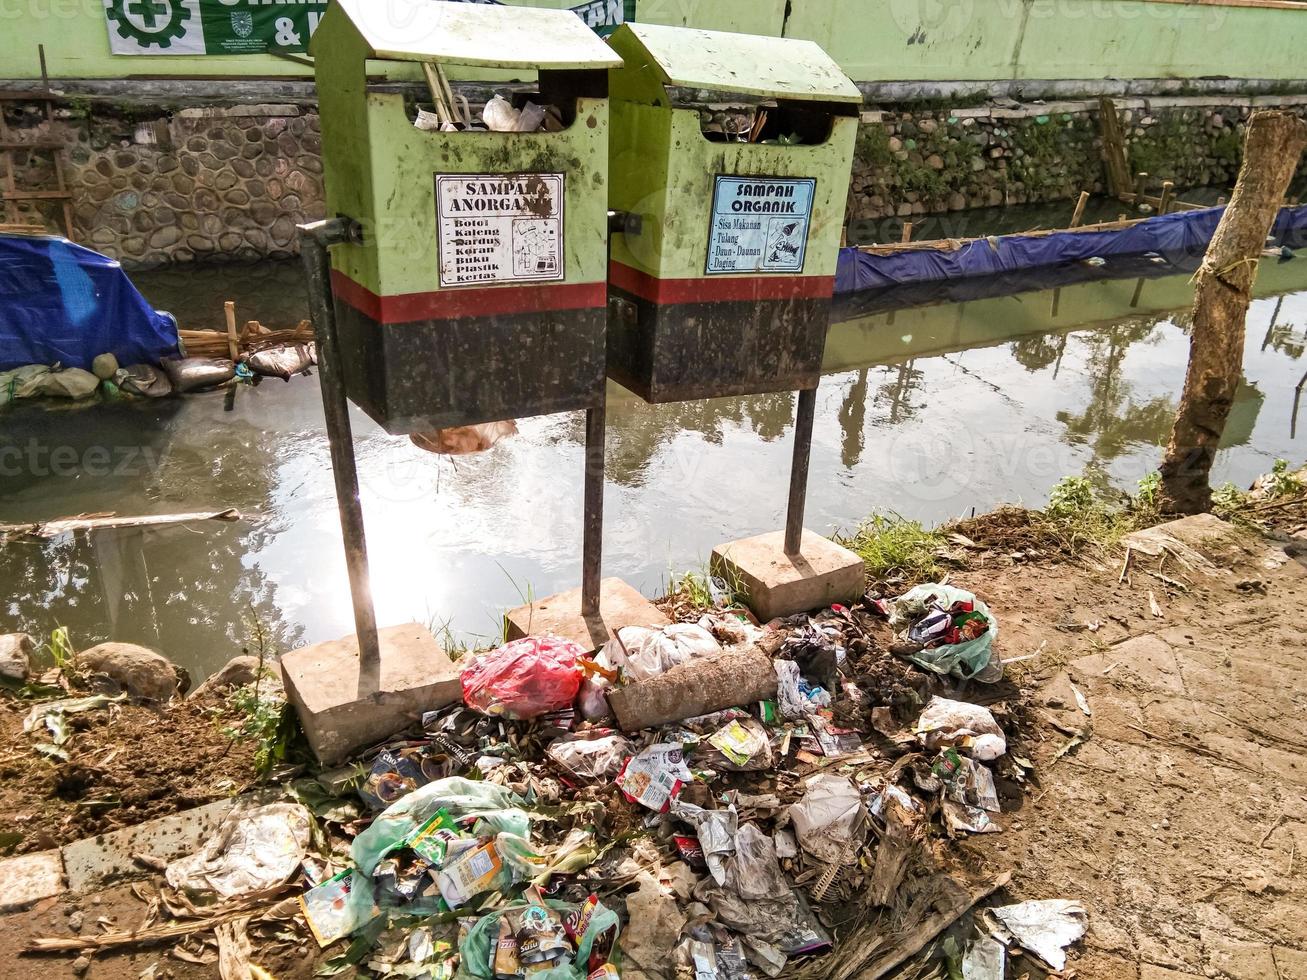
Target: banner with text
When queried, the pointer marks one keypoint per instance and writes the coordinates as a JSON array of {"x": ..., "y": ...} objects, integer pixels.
[{"x": 260, "y": 26}]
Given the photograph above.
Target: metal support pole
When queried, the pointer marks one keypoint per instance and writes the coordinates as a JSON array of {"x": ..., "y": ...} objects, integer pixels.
[
  {"x": 315, "y": 239},
  {"x": 592, "y": 539},
  {"x": 804, "y": 413}
]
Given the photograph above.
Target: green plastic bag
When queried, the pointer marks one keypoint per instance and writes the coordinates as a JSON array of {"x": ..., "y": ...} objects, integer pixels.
[
  {"x": 965, "y": 660},
  {"x": 494, "y": 805},
  {"x": 474, "y": 953}
]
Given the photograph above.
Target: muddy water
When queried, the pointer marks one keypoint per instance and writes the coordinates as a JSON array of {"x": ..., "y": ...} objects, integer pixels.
[{"x": 929, "y": 412}]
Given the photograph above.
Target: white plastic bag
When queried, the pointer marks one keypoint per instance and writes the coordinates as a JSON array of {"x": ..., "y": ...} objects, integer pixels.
[
  {"x": 830, "y": 821},
  {"x": 642, "y": 652},
  {"x": 591, "y": 758},
  {"x": 250, "y": 851},
  {"x": 962, "y": 725}
]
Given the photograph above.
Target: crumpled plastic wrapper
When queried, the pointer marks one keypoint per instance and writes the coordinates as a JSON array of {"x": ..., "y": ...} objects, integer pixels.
[
  {"x": 963, "y": 725},
  {"x": 251, "y": 850},
  {"x": 831, "y": 820}
]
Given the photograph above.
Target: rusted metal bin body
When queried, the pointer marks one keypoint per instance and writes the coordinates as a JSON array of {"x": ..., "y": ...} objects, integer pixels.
[
  {"x": 478, "y": 290},
  {"x": 721, "y": 283}
]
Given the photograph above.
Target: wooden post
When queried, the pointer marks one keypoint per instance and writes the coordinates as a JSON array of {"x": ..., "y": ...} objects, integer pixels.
[
  {"x": 233, "y": 342},
  {"x": 1141, "y": 184},
  {"x": 1168, "y": 189},
  {"x": 1080, "y": 209},
  {"x": 907, "y": 232},
  {"x": 1273, "y": 144},
  {"x": 1114, "y": 157}
]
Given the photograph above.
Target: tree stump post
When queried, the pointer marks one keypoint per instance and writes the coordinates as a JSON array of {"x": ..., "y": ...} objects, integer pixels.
[{"x": 1223, "y": 286}]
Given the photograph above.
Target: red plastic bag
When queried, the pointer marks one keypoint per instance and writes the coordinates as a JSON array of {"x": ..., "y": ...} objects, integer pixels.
[{"x": 524, "y": 679}]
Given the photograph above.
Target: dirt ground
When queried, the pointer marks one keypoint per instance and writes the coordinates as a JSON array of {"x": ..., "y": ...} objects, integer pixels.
[
  {"x": 128, "y": 764},
  {"x": 1177, "y": 820},
  {"x": 1173, "y": 811}
]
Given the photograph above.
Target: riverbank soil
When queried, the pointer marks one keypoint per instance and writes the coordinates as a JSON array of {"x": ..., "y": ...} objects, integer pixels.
[
  {"x": 1175, "y": 810},
  {"x": 127, "y": 765}
]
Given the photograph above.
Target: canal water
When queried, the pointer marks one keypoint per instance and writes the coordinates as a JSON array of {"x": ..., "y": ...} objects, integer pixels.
[{"x": 929, "y": 412}]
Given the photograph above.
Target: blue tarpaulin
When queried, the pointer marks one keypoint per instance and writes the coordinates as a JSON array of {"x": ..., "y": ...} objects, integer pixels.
[
  {"x": 1175, "y": 237},
  {"x": 62, "y": 303}
]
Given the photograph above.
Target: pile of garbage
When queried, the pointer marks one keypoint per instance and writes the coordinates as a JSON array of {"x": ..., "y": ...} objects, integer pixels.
[{"x": 533, "y": 830}]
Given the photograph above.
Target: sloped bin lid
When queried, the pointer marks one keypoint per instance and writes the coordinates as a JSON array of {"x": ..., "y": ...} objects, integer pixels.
[
  {"x": 779, "y": 67},
  {"x": 481, "y": 35}
]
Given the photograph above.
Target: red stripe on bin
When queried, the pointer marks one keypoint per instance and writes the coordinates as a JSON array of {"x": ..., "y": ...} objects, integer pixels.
[
  {"x": 449, "y": 304},
  {"x": 718, "y": 289}
]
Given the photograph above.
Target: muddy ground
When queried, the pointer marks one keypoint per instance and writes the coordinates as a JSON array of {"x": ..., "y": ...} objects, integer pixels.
[
  {"x": 128, "y": 764},
  {"x": 1173, "y": 812}
]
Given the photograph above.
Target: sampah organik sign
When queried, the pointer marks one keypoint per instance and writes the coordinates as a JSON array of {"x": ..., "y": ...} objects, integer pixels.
[{"x": 259, "y": 26}]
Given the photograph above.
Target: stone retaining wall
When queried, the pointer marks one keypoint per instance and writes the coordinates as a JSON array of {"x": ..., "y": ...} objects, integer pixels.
[
  {"x": 231, "y": 183},
  {"x": 199, "y": 184},
  {"x": 919, "y": 161}
]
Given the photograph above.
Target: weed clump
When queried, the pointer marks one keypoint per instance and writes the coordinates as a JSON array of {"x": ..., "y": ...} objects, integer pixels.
[{"x": 895, "y": 547}]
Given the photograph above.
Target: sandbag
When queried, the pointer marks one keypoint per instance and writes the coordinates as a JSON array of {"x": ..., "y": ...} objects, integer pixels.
[
  {"x": 17, "y": 380},
  {"x": 282, "y": 362},
  {"x": 144, "y": 380},
  {"x": 71, "y": 383},
  {"x": 197, "y": 373}
]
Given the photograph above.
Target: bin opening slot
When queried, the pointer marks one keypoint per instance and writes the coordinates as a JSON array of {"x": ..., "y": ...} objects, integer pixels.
[
  {"x": 551, "y": 108},
  {"x": 774, "y": 122}
]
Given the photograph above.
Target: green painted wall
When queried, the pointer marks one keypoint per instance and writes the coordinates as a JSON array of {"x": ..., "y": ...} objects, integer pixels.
[
  {"x": 874, "y": 40},
  {"x": 895, "y": 40}
]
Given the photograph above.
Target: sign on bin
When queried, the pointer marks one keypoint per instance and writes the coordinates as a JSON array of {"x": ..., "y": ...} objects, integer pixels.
[
  {"x": 494, "y": 228},
  {"x": 759, "y": 224}
]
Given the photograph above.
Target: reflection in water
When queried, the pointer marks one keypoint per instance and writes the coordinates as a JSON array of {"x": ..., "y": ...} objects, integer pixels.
[{"x": 928, "y": 411}]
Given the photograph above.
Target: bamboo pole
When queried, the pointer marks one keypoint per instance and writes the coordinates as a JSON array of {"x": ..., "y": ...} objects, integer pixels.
[
  {"x": 233, "y": 340},
  {"x": 1168, "y": 190},
  {"x": 1080, "y": 209}
]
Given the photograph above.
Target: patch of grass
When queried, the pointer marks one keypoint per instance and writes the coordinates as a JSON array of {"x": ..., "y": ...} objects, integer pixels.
[
  {"x": 692, "y": 593},
  {"x": 60, "y": 650},
  {"x": 1280, "y": 482},
  {"x": 1148, "y": 499},
  {"x": 1080, "y": 518},
  {"x": 895, "y": 547},
  {"x": 1227, "y": 499}
]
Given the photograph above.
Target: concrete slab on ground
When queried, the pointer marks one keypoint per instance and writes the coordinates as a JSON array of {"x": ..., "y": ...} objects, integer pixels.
[
  {"x": 108, "y": 858},
  {"x": 777, "y": 584},
  {"x": 340, "y": 712},
  {"x": 560, "y": 615},
  {"x": 28, "y": 878}
]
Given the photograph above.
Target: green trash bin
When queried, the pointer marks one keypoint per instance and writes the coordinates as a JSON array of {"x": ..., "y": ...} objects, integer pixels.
[
  {"x": 721, "y": 282},
  {"x": 478, "y": 290}
]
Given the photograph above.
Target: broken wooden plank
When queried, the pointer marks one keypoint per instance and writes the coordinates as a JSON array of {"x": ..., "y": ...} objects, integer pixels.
[{"x": 108, "y": 519}]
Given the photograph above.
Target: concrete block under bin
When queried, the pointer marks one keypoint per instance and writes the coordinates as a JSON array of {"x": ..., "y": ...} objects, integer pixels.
[
  {"x": 322, "y": 682},
  {"x": 776, "y": 584}
]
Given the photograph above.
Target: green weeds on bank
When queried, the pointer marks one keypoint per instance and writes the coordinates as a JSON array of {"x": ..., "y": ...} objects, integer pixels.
[
  {"x": 895, "y": 547},
  {"x": 263, "y": 716},
  {"x": 1079, "y": 519}
]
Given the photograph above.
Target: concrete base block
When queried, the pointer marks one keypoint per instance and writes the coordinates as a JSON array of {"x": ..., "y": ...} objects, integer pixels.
[
  {"x": 560, "y": 615},
  {"x": 27, "y": 879},
  {"x": 322, "y": 681},
  {"x": 777, "y": 585}
]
